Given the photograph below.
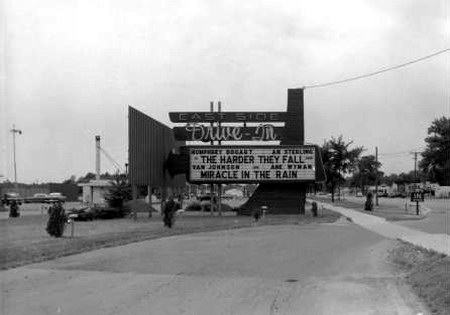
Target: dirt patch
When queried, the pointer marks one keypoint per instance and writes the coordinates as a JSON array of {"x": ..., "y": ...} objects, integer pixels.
[
  {"x": 24, "y": 239},
  {"x": 427, "y": 272}
]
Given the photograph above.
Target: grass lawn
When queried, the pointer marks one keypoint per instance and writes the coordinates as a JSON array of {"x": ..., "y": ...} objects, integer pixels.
[
  {"x": 427, "y": 272},
  {"x": 24, "y": 239}
]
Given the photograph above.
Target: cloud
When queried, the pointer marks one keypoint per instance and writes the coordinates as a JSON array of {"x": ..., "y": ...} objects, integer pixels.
[{"x": 73, "y": 67}]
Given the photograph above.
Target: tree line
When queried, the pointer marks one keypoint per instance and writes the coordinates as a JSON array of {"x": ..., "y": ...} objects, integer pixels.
[{"x": 345, "y": 165}]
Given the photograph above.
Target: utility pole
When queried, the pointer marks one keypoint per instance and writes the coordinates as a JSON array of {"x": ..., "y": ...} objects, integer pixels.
[
  {"x": 219, "y": 185},
  {"x": 211, "y": 187},
  {"x": 14, "y": 131},
  {"x": 415, "y": 165},
  {"x": 376, "y": 177}
]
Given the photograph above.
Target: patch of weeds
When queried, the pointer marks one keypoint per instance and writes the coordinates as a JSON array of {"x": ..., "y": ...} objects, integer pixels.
[{"x": 427, "y": 272}]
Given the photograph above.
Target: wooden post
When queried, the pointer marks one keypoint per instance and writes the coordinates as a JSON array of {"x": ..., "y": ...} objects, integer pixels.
[
  {"x": 376, "y": 178},
  {"x": 72, "y": 232},
  {"x": 134, "y": 193},
  {"x": 163, "y": 198},
  {"x": 219, "y": 185},
  {"x": 149, "y": 194},
  {"x": 211, "y": 187}
]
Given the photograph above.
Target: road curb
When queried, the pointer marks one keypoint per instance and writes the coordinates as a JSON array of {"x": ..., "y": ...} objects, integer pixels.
[{"x": 426, "y": 210}]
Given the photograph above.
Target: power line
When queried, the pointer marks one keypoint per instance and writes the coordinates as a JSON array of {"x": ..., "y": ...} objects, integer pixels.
[
  {"x": 313, "y": 86},
  {"x": 110, "y": 158},
  {"x": 401, "y": 152},
  {"x": 394, "y": 153}
]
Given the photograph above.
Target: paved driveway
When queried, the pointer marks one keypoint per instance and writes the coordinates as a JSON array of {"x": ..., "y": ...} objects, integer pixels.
[
  {"x": 436, "y": 222},
  {"x": 335, "y": 268}
]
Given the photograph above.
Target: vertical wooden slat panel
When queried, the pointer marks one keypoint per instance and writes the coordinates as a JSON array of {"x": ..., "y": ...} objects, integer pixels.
[{"x": 149, "y": 145}]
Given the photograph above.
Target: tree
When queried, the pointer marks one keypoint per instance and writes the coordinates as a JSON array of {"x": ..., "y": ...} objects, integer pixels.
[
  {"x": 367, "y": 172},
  {"x": 436, "y": 156},
  {"x": 338, "y": 160},
  {"x": 56, "y": 220},
  {"x": 390, "y": 179},
  {"x": 119, "y": 192},
  {"x": 85, "y": 179},
  {"x": 71, "y": 180},
  {"x": 91, "y": 176}
]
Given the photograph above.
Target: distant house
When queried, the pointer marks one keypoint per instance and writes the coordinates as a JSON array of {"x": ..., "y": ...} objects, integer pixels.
[
  {"x": 234, "y": 192},
  {"x": 94, "y": 191},
  {"x": 383, "y": 190},
  {"x": 442, "y": 192}
]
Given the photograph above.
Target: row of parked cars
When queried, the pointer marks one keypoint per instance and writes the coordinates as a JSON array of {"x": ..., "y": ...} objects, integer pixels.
[{"x": 36, "y": 198}]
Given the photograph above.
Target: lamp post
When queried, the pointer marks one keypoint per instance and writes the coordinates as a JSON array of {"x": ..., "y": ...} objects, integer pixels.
[{"x": 14, "y": 131}]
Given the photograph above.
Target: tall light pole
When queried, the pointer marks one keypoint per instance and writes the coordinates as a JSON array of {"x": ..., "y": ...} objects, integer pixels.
[
  {"x": 376, "y": 178},
  {"x": 14, "y": 131}
]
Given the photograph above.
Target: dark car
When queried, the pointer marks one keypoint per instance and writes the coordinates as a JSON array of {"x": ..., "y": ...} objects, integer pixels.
[
  {"x": 8, "y": 197},
  {"x": 205, "y": 202},
  {"x": 37, "y": 198},
  {"x": 56, "y": 196},
  {"x": 83, "y": 214}
]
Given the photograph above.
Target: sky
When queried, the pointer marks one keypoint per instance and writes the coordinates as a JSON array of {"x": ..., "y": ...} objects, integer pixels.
[{"x": 69, "y": 70}]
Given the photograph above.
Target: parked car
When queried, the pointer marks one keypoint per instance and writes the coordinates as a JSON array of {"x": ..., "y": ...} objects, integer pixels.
[
  {"x": 105, "y": 212},
  {"x": 83, "y": 214},
  {"x": 397, "y": 195},
  {"x": 56, "y": 196},
  {"x": 10, "y": 196},
  {"x": 37, "y": 198},
  {"x": 205, "y": 202}
]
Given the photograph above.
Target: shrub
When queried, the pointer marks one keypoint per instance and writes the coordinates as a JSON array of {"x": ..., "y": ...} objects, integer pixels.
[
  {"x": 368, "y": 206},
  {"x": 118, "y": 193},
  {"x": 194, "y": 206},
  {"x": 56, "y": 221}
]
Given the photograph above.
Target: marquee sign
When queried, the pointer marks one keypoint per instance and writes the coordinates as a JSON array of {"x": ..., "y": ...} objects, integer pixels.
[
  {"x": 185, "y": 117},
  {"x": 206, "y": 133},
  {"x": 225, "y": 164}
]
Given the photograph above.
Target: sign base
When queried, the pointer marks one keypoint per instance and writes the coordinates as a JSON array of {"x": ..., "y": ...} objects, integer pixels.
[{"x": 286, "y": 198}]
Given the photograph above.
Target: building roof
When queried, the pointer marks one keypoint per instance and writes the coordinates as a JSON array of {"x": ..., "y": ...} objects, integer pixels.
[{"x": 97, "y": 183}]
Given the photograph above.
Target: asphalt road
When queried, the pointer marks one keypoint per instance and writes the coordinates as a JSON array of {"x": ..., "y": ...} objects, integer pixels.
[
  {"x": 335, "y": 268},
  {"x": 436, "y": 222}
]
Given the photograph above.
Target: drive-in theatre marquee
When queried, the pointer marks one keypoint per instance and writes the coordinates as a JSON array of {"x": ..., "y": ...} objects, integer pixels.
[
  {"x": 282, "y": 170},
  {"x": 289, "y": 163},
  {"x": 252, "y": 164}
]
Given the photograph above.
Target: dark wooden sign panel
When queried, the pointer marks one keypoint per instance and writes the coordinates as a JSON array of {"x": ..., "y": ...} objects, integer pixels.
[
  {"x": 205, "y": 133},
  {"x": 150, "y": 142},
  {"x": 186, "y": 117},
  {"x": 244, "y": 164}
]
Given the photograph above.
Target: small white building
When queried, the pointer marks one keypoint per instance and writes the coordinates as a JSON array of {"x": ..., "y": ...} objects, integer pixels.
[
  {"x": 94, "y": 191},
  {"x": 442, "y": 191},
  {"x": 234, "y": 192}
]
